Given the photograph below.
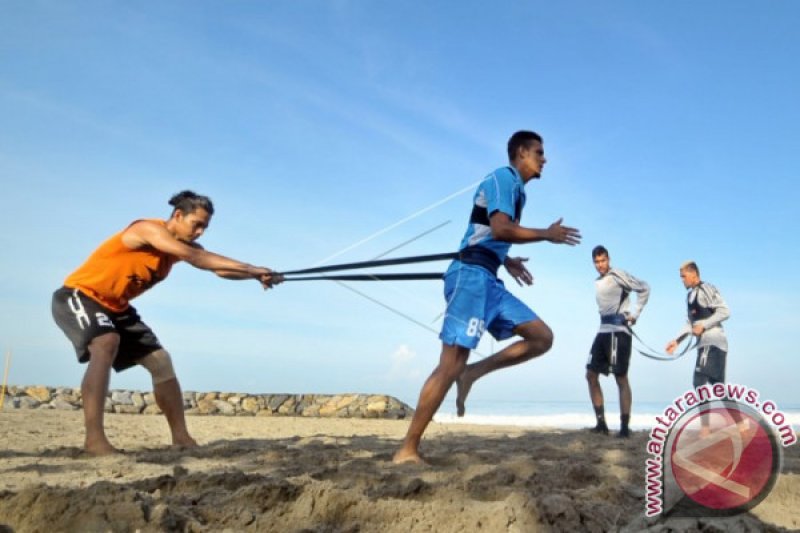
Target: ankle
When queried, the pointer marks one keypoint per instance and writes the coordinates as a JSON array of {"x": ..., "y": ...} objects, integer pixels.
[{"x": 600, "y": 417}]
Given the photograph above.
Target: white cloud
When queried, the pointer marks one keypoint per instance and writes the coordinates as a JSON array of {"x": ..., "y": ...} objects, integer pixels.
[{"x": 404, "y": 364}]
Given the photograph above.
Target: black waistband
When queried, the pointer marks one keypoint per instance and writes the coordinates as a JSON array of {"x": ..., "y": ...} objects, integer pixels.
[
  {"x": 480, "y": 256},
  {"x": 617, "y": 319}
]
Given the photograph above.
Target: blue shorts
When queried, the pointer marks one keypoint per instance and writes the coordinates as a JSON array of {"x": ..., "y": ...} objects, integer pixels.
[{"x": 478, "y": 301}]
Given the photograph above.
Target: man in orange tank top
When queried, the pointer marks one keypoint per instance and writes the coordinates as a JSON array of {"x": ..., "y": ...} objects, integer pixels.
[{"x": 93, "y": 309}]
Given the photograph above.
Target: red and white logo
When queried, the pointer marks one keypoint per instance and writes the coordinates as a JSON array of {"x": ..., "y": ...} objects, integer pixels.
[{"x": 724, "y": 458}]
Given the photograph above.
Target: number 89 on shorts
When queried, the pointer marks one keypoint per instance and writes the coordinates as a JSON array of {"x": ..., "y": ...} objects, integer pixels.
[{"x": 475, "y": 327}]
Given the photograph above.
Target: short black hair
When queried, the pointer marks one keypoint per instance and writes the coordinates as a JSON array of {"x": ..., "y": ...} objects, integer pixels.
[
  {"x": 599, "y": 250},
  {"x": 188, "y": 201},
  {"x": 519, "y": 139}
]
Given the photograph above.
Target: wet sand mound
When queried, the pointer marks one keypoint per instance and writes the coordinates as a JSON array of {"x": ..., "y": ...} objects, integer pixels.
[{"x": 335, "y": 475}]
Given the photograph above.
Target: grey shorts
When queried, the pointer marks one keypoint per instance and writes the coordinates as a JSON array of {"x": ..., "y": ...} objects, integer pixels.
[
  {"x": 82, "y": 319},
  {"x": 710, "y": 366}
]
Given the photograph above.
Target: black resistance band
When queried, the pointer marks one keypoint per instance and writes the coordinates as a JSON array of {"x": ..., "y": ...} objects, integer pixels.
[
  {"x": 292, "y": 275},
  {"x": 371, "y": 277}
]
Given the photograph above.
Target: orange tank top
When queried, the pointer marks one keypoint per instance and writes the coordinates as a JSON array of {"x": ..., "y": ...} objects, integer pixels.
[{"x": 115, "y": 274}]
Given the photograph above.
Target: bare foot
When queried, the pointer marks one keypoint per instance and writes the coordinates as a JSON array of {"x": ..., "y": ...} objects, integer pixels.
[
  {"x": 405, "y": 457},
  {"x": 99, "y": 447},
  {"x": 462, "y": 387},
  {"x": 184, "y": 442}
]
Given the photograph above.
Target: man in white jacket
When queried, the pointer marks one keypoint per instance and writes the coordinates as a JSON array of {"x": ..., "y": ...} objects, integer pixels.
[
  {"x": 611, "y": 349},
  {"x": 706, "y": 311}
]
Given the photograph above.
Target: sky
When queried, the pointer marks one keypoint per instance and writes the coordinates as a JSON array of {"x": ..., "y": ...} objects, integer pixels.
[{"x": 335, "y": 131}]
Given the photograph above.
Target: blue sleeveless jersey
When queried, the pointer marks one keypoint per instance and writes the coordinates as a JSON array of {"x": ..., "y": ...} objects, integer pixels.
[{"x": 503, "y": 190}]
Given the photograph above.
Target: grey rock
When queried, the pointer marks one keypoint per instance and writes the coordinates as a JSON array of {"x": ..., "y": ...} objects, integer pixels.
[
  {"x": 60, "y": 403},
  {"x": 276, "y": 401},
  {"x": 224, "y": 407},
  {"x": 27, "y": 402},
  {"x": 122, "y": 397}
]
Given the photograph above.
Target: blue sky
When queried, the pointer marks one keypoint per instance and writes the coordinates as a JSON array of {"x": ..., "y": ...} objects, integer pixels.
[{"x": 670, "y": 130}]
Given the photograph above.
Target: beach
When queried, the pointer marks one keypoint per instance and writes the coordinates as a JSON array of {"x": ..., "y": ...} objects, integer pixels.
[{"x": 312, "y": 474}]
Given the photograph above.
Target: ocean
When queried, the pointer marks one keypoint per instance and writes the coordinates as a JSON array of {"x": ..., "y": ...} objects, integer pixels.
[{"x": 565, "y": 415}]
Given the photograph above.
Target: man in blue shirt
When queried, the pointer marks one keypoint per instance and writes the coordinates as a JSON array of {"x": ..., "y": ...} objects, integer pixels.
[{"x": 477, "y": 300}]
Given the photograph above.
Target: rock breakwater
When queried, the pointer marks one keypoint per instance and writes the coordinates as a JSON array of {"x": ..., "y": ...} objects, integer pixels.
[{"x": 217, "y": 403}]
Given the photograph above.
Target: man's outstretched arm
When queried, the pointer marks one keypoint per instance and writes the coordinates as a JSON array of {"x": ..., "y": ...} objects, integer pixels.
[{"x": 505, "y": 229}]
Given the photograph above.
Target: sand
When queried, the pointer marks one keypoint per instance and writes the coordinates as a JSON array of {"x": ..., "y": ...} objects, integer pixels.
[{"x": 287, "y": 474}]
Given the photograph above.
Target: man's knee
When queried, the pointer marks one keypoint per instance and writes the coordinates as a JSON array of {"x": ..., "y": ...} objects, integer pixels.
[
  {"x": 452, "y": 361},
  {"x": 546, "y": 339},
  {"x": 103, "y": 349},
  {"x": 159, "y": 364},
  {"x": 542, "y": 342},
  {"x": 538, "y": 335}
]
